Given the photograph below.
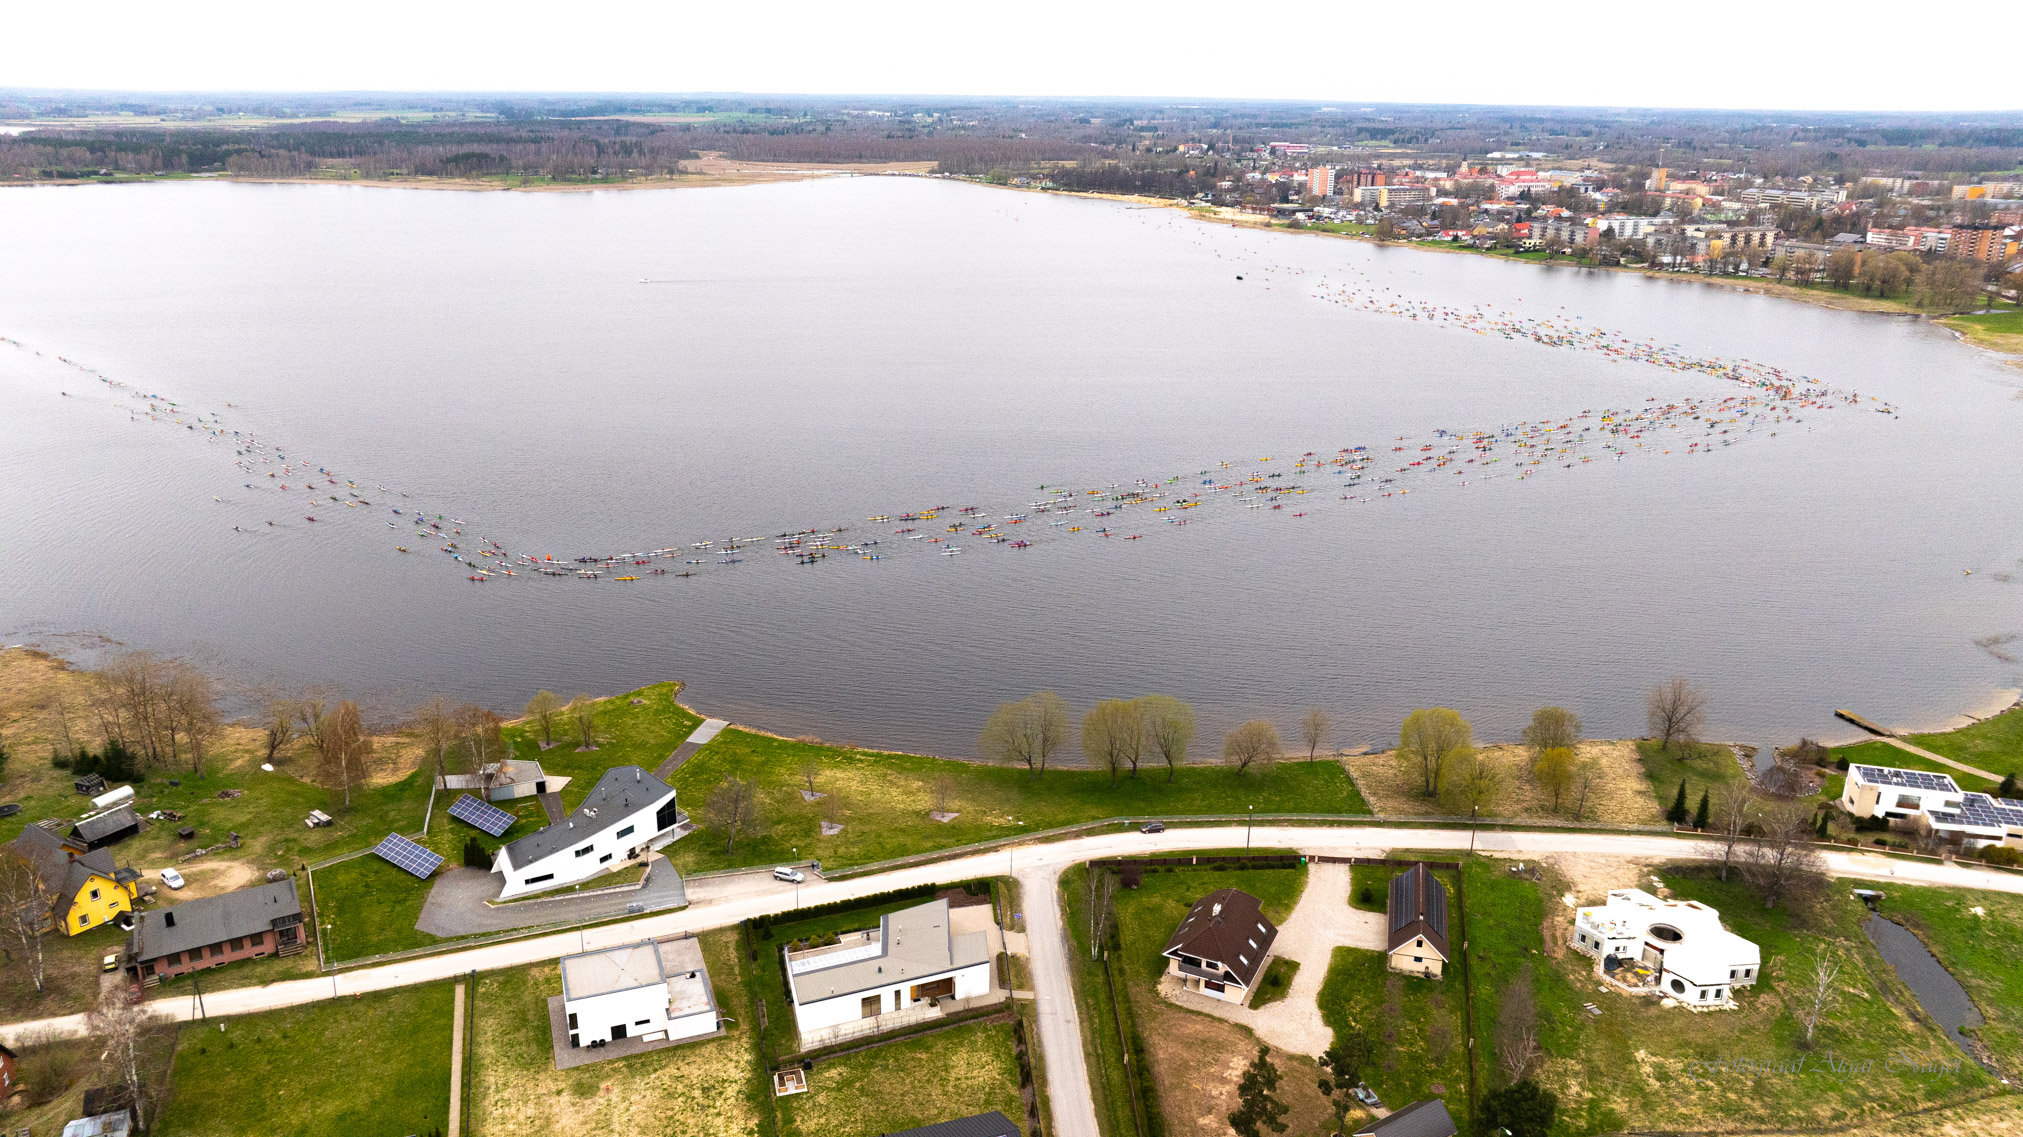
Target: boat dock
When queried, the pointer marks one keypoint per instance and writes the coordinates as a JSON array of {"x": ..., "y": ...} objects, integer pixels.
[{"x": 1866, "y": 725}]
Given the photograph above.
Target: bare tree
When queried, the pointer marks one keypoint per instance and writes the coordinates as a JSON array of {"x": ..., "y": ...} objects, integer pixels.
[
  {"x": 56, "y": 721},
  {"x": 583, "y": 712},
  {"x": 1587, "y": 773},
  {"x": 809, "y": 770},
  {"x": 1254, "y": 742},
  {"x": 342, "y": 747},
  {"x": 1552, "y": 728},
  {"x": 1822, "y": 990},
  {"x": 190, "y": 708},
  {"x": 733, "y": 808},
  {"x": 1734, "y": 805},
  {"x": 280, "y": 726},
  {"x": 436, "y": 728},
  {"x": 1027, "y": 732},
  {"x": 122, "y": 1027},
  {"x": 944, "y": 792},
  {"x": 26, "y": 904},
  {"x": 1517, "y": 1028},
  {"x": 1169, "y": 729},
  {"x": 1313, "y": 730},
  {"x": 1102, "y": 884},
  {"x": 541, "y": 709},
  {"x": 1428, "y": 737},
  {"x": 1113, "y": 736},
  {"x": 1677, "y": 709},
  {"x": 1781, "y": 861}
]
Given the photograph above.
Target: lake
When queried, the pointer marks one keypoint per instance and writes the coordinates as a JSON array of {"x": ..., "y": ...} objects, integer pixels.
[{"x": 591, "y": 373}]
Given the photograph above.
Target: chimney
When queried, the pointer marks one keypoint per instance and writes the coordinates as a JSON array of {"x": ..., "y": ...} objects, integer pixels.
[
  {"x": 1216, "y": 911},
  {"x": 637, "y": 773},
  {"x": 169, "y": 918}
]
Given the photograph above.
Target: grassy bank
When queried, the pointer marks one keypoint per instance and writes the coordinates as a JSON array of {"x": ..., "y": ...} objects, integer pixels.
[
  {"x": 1994, "y": 744},
  {"x": 1701, "y": 765},
  {"x": 1983, "y": 950},
  {"x": 379, "y": 1063},
  {"x": 1878, "y": 753},
  {"x": 1996, "y": 331}
]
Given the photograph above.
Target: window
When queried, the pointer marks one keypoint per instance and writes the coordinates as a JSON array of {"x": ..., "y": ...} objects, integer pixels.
[
  {"x": 217, "y": 950},
  {"x": 585, "y": 850},
  {"x": 666, "y": 816},
  {"x": 239, "y": 944},
  {"x": 1418, "y": 959},
  {"x": 84, "y": 919},
  {"x": 572, "y": 1021},
  {"x": 626, "y": 832},
  {"x": 573, "y": 1041},
  {"x": 1731, "y": 973},
  {"x": 1253, "y": 945},
  {"x": 642, "y": 1022},
  {"x": 257, "y": 938},
  {"x": 546, "y": 876},
  {"x": 605, "y": 857},
  {"x": 94, "y": 894}
]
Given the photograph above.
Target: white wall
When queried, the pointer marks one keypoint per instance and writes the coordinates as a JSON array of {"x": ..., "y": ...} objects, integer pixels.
[
  {"x": 607, "y": 850},
  {"x": 969, "y": 982},
  {"x": 596, "y": 1014}
]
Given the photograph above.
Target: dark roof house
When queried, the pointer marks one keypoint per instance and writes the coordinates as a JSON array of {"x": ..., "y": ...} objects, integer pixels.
[
  {"x": 66, "y": 866},
  {"x": 1228, "y": 927},
  {"x": 992, "y": 1124},
  {"x": 1427, "y": 1118},
  {"x": 616, "y": 797},
  {"x": 1418, "y": 907},
  {"x": 108, "y": 828},
  {"x": 215, "y": 919}
]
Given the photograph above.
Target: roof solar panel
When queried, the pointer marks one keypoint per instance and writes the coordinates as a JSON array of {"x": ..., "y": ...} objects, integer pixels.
[
  {"x": 1908, "y": 779},
  {"x": 482, "y": 814},
  {"x": 405, "y": 854}
]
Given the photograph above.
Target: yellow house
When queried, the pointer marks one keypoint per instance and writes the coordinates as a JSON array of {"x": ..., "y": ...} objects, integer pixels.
[{"x": 83, "y": 888}]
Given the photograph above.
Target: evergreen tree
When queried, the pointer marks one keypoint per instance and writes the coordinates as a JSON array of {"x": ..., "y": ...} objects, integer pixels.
[
  {"x": 1700, "y": 814},
  {"x": 1677, "y": 814},
  {"x": 1257, "y": 1110},
  {"x": 1821, "y": 831},
  {"x": 2008, "y": 787},
  {"x": 1524, "y": 1108}
]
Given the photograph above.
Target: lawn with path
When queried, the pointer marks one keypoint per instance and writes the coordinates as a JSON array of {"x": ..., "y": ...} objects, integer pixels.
[{"x": 1875, "y": 752}]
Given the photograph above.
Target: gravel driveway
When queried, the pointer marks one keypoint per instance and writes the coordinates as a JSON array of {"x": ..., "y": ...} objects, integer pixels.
[{"x": 456, "y": 904}]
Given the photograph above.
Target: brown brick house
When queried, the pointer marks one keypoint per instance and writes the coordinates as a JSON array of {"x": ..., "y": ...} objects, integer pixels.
[{"x": 216, "y": 930}]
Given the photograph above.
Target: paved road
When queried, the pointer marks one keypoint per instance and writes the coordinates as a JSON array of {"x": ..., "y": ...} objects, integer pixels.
[
  {"x": 1060, "y": 1046},
  {"x": 1941, "y": 759}
]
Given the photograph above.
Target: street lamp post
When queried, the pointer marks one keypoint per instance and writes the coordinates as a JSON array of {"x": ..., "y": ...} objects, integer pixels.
[
  {"x": 1248, "y": 819},
  {"x": 1473, "y": 812},
  {"x": 797, "y": 875}
]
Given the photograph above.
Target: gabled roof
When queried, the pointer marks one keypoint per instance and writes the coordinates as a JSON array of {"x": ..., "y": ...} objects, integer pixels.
[
  {"x": 107, "y": 824},
  {"x": 64, "y": 866},
  {"x": 620, "y": 793},
  {"x": 1227, "y": 926},
  {"x": 1427, "y": 1118},
  {"x": 913, "y": 944},
  {"x": 1418, "y": 907},
  {"x": 992, "y": 1124},
  {"x": 215, "y": 919}
]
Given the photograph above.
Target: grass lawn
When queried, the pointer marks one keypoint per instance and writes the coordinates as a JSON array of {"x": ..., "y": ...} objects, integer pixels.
[
  {"x": 70, "y": 970},
  {"x": 375, "y": 1064},
  {"x": 882, "y": 800},
  {"x": 1700, "y": 765},
  {"x": 1993, "y": 744},
  {"x": 368, "y": 907},
  {"x": 1277, "y": 982},
  {"x": 1984, "y": 952},
  {"x": 1877, "y": 753},
  {"x": 628, "y": 734},
  {"x": 958, "y": 1072},
  {"x": 712, "y": 1088},
  {"x": 1622, "y": 794},
  {"x": 2000, "y": 331}
]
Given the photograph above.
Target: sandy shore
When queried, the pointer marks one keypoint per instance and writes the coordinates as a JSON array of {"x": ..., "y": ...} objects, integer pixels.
[{"x": 710, "y": 170}]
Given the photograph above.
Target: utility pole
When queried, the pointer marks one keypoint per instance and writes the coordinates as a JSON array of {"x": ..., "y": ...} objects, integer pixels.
[
  {"x": 1473, "y": 811},
  {"x": 1248, "y": 819},
  {"x": 197, "y": 994}
]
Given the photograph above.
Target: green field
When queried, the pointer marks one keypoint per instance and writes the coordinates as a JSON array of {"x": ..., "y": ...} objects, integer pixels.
[
  {"x": 1701, "y": 765},
  {"x": 1878, "y": 753},
  {"x": 1666, "y": 1068},
  {"x": 886, "y": 1089},
  {"x": 1993, "y": 744},
  {"x": 377, "y": 1064}
]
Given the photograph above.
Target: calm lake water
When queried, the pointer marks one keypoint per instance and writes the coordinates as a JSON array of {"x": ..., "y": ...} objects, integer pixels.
[{"x": 816, "y": 353}]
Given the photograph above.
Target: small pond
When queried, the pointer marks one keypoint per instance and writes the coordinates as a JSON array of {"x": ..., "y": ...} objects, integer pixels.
[{"x": 1936, "y": 990}]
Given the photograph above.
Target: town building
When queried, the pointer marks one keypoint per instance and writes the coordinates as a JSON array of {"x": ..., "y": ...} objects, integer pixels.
[
  {"x": 913, "y": 960},
  {"x": 1427, "y": 1118},
  {"x": 1819, "y": 198},
  {"x": 1985, "y": 242},
  {"x": 1321, "y": 181},
  {"x": 216, "y": 930},
  {"x": 1910, "y": 239},
  {"x": 651, "y": 990},
  {"x": 1220, "y": 948},
  {"x": 628, "y": 813},
  {"x": 1623, "y": 227},
  {"x": 84, "y": 888},
  {"x": 1393, "y": 196},
  {"x": 1417, "y": 912},
  {"x": 1671, "y": 948}
]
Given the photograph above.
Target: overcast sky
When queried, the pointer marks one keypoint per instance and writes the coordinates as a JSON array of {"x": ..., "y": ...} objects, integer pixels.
[{"x": 1769, "y": 54}]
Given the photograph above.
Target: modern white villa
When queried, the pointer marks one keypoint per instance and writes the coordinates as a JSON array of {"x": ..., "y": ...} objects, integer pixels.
[
  {"x": 916, "y": 959},
  {"x": 1963, "y": 818},
  {"x": 626, "y": 814},
  {"x": 1669, "y": 948},
  {"x": 651, "y": 990}
]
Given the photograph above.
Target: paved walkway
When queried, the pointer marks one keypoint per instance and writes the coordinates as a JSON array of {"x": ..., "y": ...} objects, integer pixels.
[
  {"x": 1941, "y": 759},
  {"x": 457, "y": 1064},
  {"x": 709, "y": 729},
  {"x": 456, "y": 902},
  {"x": 551, "y": 804},
  {"x": 1322, "y": 922}
]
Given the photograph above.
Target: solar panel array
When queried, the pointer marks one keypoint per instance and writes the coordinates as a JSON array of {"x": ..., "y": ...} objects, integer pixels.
[
  {"x": 1908, "y": 779},
  {"x": 482, "y": 814},
  {"x": 1982, "y": 810},
  {"x": 405, "y": 854}
]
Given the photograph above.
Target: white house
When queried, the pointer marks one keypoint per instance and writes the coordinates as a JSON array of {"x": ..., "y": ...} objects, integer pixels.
[
  {"x": 504, "y": 781},
  {"x": 913, "y": 956},
  {"x": 649, "y": 990},
  {"x": 1964, "y": 818},
  {"x": 1220, "y": 947},
  {"x": 1676, "y": 948},
  {"x": 627, "y": 813}
]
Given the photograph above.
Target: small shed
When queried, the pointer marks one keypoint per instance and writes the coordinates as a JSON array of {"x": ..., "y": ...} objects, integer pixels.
[
  {"x": 108, "y": 828},
  {"x": 1427, "y": 1118}
]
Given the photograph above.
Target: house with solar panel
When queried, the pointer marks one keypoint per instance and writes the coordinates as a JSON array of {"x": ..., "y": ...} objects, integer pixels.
[
  {"x": 1674, "y": 949},
  {"x": 1417, "y": 910},
  {"x": 1969, "y": 820},
  {"x": 626, "y": 815},
  {"x": 1219, "y": 949}
]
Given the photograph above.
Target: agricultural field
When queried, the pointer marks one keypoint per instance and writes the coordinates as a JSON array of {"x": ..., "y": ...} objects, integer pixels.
[
  {"x": 717, "y": 1086},
  {"x": 1621, "y": 794}
]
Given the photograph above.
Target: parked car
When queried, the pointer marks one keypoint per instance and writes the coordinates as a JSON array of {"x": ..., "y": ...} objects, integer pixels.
[
  {"x": 109, "y": 963},
  {"x": 791, "y": 876},
  {"x": 1153, "y": 827},
  {"x": 172, "y": 878}
]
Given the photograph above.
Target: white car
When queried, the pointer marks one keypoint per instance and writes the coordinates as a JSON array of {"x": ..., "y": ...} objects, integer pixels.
[
  {"x": 172, "y": 878},
  {"x": 791, "y": 876}
]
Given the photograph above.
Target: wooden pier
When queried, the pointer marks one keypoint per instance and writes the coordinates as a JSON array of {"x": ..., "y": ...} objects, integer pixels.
[{"x": 1866, "y": 725}]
